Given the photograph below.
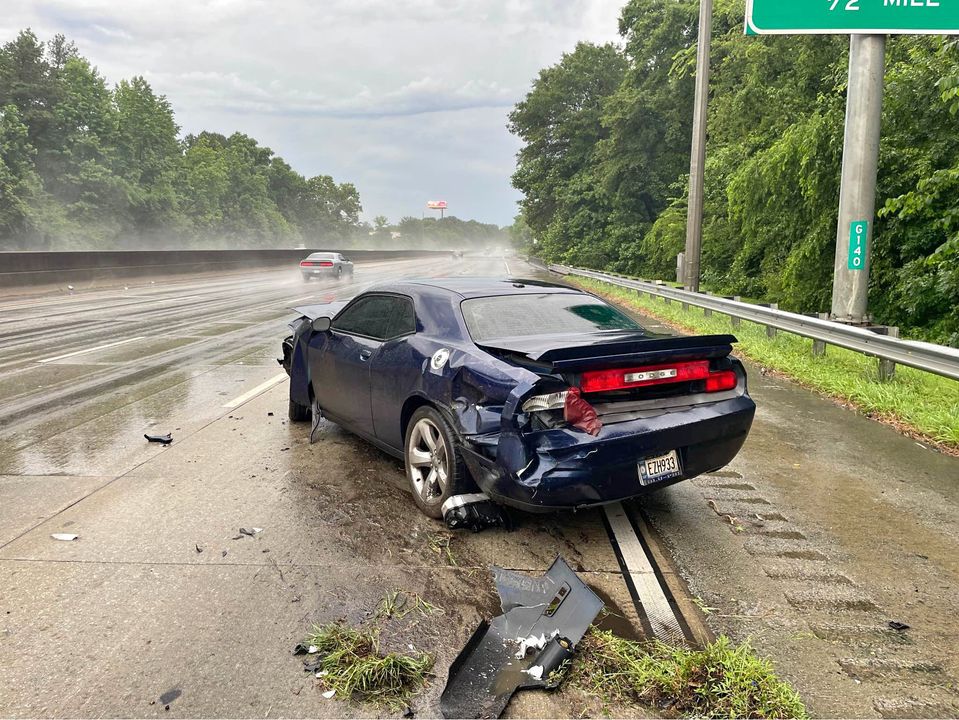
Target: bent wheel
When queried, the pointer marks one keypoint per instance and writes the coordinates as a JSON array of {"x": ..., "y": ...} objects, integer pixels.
[{"x": 434, "y": 468}]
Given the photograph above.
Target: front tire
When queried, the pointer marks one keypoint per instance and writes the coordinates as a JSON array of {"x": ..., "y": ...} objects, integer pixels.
[{"x": 434, "y": 466}]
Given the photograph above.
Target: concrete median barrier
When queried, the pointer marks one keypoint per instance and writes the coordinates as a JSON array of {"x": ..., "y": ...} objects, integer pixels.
[{"x": 21, "y": 270}]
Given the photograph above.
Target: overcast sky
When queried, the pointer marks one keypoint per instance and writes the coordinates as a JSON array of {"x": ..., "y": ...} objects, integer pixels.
[{"x": 406, "y": 99}]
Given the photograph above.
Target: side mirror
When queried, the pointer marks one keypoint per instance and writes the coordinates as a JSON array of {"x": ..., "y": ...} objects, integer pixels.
[{"x": 322, "y": 324}]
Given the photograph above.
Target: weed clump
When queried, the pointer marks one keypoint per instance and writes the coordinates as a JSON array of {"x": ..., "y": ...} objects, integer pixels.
[
  {"x": 719, "y": 681},
  {"x": 350, "y": 662}
]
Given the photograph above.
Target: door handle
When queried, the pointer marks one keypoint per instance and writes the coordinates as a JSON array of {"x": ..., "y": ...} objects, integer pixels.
[{"x": 365, "y": 355}]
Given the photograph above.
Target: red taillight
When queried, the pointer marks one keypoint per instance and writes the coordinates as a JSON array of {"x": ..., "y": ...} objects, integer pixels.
[
  {"x": 625, "y": 379},
  {"x": 325, "y": 263},
  {"x": 306, "y": 263},
  {"x": 719, "y": 381}
]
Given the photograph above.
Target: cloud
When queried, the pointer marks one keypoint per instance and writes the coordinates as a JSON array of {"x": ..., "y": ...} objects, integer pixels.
[{"x": 406, "y": 99}]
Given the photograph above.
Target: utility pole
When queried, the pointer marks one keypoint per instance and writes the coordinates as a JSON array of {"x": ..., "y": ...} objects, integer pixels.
[
  {"x": 860, "y": 166},
  {"x": 697, "y": 162}
]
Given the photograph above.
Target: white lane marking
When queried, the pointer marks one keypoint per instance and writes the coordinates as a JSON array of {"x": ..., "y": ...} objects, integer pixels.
[
  {"x": 262, "y": 388},
  {"x": 661, "y": 617},
  {"x": 509, "y": 273},
  {"x": 307, "y": 297},
  {"x": 90, "y": 350}
]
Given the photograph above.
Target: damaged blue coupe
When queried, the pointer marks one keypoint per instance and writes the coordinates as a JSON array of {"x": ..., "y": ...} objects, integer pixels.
[{"x": 539, "y": 396}]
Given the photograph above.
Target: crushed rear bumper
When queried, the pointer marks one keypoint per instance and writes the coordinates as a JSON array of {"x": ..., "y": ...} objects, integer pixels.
[{"x": 564, "y": 469}]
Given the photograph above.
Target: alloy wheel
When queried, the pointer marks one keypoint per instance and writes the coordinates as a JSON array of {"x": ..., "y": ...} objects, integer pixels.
[{"x": 428, "y": 460}]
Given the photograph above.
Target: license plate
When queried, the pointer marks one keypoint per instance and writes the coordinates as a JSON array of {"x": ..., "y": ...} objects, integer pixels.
[{"x": 662, "y": 467}]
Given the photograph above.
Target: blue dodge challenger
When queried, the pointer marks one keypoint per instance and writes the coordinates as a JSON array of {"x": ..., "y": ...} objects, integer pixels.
[{"x": 538, "y": 396}]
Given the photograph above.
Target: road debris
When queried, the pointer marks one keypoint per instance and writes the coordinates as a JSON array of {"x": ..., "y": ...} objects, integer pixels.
[
  {"x": 474, "y": 512},
  {"x": 896, "y": 625},
  {"x": 549, "y": 614},
  {"x": 65, "y": 537},
  {"x": 350, "y": 664},
  {"x": 198, "y": 548},
  {"x": 249, "y": 532},
  {"x": 162, "y": 439}
]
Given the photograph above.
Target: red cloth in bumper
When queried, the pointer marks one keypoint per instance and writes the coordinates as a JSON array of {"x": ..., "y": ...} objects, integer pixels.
[{"x": 580, "y": 414}]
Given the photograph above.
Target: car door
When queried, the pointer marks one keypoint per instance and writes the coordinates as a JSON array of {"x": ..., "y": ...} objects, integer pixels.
[
  {"x": 341, "y": 373},
  {"x": 393, "y": 372}
]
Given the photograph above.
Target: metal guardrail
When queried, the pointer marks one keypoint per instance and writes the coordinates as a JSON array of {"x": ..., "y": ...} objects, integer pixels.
[{"x": 936, "y": 359}]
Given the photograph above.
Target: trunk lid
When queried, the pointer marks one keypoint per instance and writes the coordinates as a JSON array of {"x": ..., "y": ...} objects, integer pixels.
[{"x": 601, "y": 351}]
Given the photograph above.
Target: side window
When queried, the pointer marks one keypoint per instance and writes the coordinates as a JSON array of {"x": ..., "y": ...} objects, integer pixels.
[
  {"x": 369, "y": 316},
  {"x": 404, "y": 319}
]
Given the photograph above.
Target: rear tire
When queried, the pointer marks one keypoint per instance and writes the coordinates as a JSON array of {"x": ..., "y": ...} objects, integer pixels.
[
  {"x": 299, "y": 413},
  {"x": 434, "y": 466}
]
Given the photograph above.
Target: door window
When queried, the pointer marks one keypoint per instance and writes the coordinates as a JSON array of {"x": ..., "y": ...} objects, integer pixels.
[
  {"x": 369, "y": 316},
  {"x": 404, "y": 319},
  {"x": 378, "y": 316}
]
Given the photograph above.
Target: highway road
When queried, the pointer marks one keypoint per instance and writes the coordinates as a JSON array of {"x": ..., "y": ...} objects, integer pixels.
[{"x": 827, "y": 526}]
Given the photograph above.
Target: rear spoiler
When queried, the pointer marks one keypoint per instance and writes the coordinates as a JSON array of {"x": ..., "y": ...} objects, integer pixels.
[
  {"x": 312, "y": 312},
  {"x": 641, "y": 350}
]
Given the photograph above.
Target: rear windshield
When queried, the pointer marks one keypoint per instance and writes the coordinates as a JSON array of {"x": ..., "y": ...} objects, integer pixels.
[
  {"x": 525, "y": 315},
  {"x": 321, "y": 256}
]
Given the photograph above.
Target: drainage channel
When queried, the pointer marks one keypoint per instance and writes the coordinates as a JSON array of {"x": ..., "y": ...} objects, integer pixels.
[{"x": 662, "y": 601}]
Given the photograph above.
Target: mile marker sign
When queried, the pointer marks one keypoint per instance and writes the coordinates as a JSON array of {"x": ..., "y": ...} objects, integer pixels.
[{"x": 840, "y": 17}]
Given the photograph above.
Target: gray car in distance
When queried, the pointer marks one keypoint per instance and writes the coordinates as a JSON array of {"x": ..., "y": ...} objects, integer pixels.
[{"x": 325, "y": 264}]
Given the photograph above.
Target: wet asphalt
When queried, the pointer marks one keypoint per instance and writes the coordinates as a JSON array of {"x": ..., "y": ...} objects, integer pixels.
[{"x": 826, "y": 527}]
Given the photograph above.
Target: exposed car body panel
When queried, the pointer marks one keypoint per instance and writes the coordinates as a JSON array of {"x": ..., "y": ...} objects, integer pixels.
[{"x": 371, "y": 387}]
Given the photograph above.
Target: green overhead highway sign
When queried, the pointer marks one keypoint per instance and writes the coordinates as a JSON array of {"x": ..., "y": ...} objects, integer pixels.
[{"x": 868, "y": 17}]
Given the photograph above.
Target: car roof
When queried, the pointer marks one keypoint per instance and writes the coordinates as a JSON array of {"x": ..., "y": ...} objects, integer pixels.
[
  {"x": 472, "y": 287},
  {"x": 322, "y": 254}
]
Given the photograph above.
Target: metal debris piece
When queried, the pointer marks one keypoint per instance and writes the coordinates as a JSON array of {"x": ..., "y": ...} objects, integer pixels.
[
  {"x": 66, "y": 537},
  {"x": 556, "y": 608},
  {"x": 896, "y": 625},
  {"x": 474, "y": 512},
  {"x": 249, "y": 532},
  {"x": 162, "y": 439}
]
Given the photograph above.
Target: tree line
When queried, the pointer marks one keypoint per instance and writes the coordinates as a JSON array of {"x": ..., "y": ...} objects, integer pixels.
[
  {"x": 87, "y": 166},
  {"x": 605, "y": 161}
]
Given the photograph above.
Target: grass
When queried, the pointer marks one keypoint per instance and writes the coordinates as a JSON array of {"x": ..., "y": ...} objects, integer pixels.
[
  {"x": 920, "y": 404},
  {"x": 400, "y": 603},
  {"x": 719, "y": 681},
  {"x": 356, "y": 669},
  {"x": 439, "y": 543}
]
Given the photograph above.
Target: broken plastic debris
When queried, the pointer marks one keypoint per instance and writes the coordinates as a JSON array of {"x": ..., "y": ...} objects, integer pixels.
[
  {"x": 474, "y": 512},
  {"x": 532, "y": 642},
  {"x": 329, "y": 694},
  {"x": 250, "y": 532},
  {"x": 557, "y": 605},
  {"x": 162, "y": 439},
  {"x": 66, "y": 537},
  {"x": 535, "y": 672},
  {"x": 896, "y": 625}
]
